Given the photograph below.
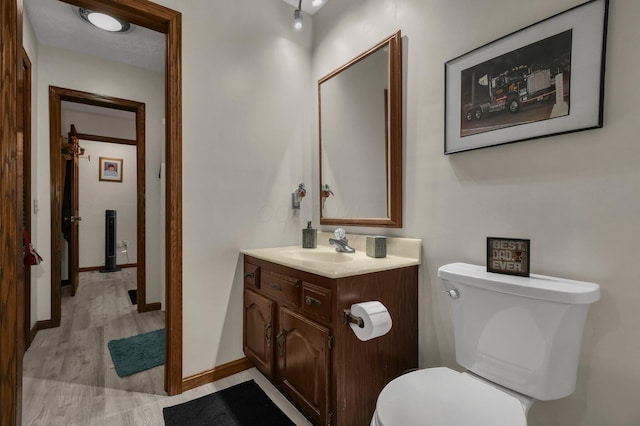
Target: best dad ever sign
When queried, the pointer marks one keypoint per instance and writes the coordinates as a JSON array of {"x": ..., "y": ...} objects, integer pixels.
[{"x": 508, "y": 256}]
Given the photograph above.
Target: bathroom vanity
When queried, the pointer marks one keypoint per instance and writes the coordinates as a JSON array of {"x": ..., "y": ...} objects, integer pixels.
[{"x": 294, "y": 329}]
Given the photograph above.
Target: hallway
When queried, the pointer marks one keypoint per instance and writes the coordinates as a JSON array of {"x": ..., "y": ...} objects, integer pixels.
[{"x": 69, "y": 378}]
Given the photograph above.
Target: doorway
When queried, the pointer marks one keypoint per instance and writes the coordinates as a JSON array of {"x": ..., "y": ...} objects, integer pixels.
[
  {"x": 139, "y": 12},
  {"x": 169, "y": 22},
  {"x": 56, "y": 96}
]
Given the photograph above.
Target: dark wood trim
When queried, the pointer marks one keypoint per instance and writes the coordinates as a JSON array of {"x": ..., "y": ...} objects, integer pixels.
[
  {"x": 155, "y": 306},
  {"x": 11, "y": 304},
  {"x": 216, "y": 373},
  {"x": 43, "y": 325},
  {"x": 141, "y": 215},
  {"x": 173, "y": 105},
  {"x": 73, "y": 247},
  {"x": 26, "y": 183},
  {"x": 109, "y": 139},
  {"x": 169, "y": 22},
  {"x": 39, "y": 325},
  {"x": 97, "y": 268},
  {"x": 56, "y": 96},
  {"x": 55, "y": 165}
]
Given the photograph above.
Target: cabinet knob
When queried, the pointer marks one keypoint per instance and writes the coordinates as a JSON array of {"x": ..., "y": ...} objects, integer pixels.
[{"x": 249, "y": 275}]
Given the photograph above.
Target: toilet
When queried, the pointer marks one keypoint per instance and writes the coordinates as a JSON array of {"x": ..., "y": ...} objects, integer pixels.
[{"x": 518, "y": 339}]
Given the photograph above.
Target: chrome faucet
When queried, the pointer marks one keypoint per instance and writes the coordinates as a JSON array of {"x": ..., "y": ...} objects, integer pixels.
[{"x": 340, "y": 242}]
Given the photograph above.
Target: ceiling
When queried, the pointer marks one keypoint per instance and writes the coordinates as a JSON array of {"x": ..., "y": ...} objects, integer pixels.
[
  {"x": 306, "y": 5},
  {"x": 57, "y": 24}
]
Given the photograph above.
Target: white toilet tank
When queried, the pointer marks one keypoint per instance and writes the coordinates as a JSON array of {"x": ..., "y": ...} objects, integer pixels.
[{"x": 523, "y": 333}]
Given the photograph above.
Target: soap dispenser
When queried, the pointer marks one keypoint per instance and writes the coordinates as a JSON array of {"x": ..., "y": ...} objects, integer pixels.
[{"x": 309, "y": 236}]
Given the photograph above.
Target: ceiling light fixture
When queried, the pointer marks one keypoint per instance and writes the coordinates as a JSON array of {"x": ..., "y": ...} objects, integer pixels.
[
  {"x": 103, "y": 21},
  {"x": 316, "y": 3},
  {"x": 297, "y": 17}
]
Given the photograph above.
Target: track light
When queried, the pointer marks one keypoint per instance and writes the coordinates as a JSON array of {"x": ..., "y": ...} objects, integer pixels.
[{"x": 297, "y": 17}]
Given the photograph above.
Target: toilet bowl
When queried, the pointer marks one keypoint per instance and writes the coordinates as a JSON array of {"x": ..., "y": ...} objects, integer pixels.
[
  {"x": 444, "y": 397},
  {"x": 517, "y": 337}
]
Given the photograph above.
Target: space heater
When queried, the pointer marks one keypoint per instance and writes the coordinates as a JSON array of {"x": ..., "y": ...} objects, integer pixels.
[{"x": 110, "y": 242}]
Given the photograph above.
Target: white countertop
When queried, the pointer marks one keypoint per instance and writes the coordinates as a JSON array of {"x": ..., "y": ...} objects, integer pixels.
[{"x": 325, "y": 261}]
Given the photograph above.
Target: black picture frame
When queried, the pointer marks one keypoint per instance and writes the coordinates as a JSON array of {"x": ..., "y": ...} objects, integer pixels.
[
  {"x": 511, "y": 256},
  {"x": 509, "y": 89}
]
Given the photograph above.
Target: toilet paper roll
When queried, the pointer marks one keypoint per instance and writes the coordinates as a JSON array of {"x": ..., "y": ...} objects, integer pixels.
[{"x": 377, "y": 321}]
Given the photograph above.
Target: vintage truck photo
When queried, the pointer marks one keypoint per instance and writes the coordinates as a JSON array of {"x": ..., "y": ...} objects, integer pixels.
[{"x": 510, "y": 90}]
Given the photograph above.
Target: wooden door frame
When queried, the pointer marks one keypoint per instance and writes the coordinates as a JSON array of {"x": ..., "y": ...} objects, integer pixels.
[
  {"x": 11, "y": 296},
  {"x": 56, "y": 96},
  {"x": 73, "y": 252},
  {"x": 27, "y": 91},
  {"x": 169, "y": 22}
]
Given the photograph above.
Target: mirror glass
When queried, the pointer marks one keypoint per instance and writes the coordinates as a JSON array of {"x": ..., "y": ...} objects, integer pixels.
[{"x": 361, "y": 139}]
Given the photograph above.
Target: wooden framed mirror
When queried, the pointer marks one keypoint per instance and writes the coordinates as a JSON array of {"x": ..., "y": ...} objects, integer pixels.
[{"x": 360, "y": 124}]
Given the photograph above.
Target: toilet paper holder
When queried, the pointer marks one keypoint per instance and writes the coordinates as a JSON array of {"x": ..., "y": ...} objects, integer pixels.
[{"x": 349, "y": 318}]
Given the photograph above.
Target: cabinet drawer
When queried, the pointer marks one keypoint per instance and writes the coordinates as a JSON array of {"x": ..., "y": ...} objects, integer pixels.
[
  {"x": 251, "y": 276},
  {"x": 280, "y": 287},
  {"x": 316, "y": 301}
]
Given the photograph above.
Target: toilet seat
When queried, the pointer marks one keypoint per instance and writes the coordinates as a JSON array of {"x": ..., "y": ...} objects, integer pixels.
[{"x": 444, "y": 397}]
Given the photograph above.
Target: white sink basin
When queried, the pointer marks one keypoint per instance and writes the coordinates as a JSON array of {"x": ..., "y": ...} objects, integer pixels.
[{"x": 317, "y": 255}]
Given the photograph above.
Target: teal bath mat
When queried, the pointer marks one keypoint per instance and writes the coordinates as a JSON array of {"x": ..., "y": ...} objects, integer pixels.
[{"x": 137, "y": 353}]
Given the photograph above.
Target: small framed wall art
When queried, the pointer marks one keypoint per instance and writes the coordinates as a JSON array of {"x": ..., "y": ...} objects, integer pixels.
[
  {"x": 508, "y": 256},
  {"x": 110, "y": 169}
]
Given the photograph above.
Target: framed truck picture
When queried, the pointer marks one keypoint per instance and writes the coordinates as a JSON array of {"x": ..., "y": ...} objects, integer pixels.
[{"x": 543, "y": 80}]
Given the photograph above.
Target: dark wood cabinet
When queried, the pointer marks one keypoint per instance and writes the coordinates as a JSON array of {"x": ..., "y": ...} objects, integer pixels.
[
  {"x": 294, "y": 333},
  {"x": 303, "y": 364},
  {"x": 258, "y": 330}
]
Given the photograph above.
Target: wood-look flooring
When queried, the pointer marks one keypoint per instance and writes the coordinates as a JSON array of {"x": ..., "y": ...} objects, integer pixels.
[{"x": 69, "y": 378}]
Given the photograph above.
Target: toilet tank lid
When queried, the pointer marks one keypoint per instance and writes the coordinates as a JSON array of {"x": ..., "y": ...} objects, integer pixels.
[{"x": 543, "y": 287}]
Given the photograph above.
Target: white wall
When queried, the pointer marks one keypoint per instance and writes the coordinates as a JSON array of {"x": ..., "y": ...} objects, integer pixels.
[
  {"x": 98, "y": 121},
  {"x": 246, "y": 96},
  {"x": 62, "y": 68},
  {"x": 96, "y": 196},
  {"x": 575, "y": 196}
]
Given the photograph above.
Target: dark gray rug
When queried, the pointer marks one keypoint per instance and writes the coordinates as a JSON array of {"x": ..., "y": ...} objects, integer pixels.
[
  {"x": 133, "y": 295},
  {"x": 244, "y": 404}
]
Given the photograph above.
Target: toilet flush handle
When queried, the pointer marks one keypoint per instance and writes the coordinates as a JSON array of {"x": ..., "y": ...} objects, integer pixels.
[{"x": 453, "y": 293}]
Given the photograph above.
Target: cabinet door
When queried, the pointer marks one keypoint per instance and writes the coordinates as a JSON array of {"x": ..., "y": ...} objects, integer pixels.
[
  {"x": 258, "y": 331},
  {"x": 302, "y": 349}
]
